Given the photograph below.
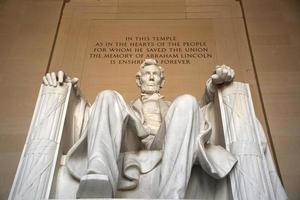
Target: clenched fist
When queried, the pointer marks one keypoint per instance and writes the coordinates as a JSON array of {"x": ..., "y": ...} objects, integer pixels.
[{"x": 222, "y": 74}]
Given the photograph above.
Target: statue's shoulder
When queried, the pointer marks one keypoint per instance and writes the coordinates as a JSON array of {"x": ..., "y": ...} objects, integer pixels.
[
  {"x": 136, "y": 104},
  {"x": 164, "y": 106},
  {"x": 166, "y": 103}
]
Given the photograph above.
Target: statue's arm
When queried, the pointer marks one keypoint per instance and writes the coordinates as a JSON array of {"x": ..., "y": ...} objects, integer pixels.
[
  {"x": 77, "y": 116},
  {"x": 221, "y": 75},
  {"x": 78, "y": 109}
]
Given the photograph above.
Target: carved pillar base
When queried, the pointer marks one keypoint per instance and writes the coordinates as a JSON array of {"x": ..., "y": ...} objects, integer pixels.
[
  {"x": 35, "y": 172},
  {"x": 244, "y": 138}
]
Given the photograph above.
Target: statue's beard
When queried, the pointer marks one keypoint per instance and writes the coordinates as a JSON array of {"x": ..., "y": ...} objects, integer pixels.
[{"x": 150, "y": 89}]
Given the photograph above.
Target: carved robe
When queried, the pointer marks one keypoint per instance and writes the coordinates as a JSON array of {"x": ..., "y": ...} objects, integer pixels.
[{"x": 115, "y": 132}]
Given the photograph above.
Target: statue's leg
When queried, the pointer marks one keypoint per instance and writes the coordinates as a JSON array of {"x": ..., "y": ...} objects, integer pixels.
[
  {"x": 104, "y": 134},
  {"x": 182, "y": 128}
]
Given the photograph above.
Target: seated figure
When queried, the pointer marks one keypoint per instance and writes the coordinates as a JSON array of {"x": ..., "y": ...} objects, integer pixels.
[{"x": 119, "y": 142}]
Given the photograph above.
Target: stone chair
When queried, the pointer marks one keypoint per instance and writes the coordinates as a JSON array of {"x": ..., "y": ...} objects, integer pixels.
[{"x": 43, "y": 172}]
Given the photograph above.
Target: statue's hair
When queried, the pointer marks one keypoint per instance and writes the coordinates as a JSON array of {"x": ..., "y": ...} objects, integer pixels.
[{"x": 147, "y": 62}]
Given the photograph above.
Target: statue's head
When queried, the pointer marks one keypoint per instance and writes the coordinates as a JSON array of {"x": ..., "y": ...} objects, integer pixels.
[{"x": 150, "y": 78}]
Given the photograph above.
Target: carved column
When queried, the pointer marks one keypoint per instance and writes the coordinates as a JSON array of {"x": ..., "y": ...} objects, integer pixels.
[
  {"x": 35, "y": 172},
  {"x": 250, "y": 179}
]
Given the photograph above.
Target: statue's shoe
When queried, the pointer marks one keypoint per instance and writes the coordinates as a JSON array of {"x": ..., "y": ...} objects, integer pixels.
[{"x": 94, "y": 186}]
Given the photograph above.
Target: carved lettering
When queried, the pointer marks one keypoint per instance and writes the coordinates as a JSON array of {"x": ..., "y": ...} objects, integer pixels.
[{"x": 166, "y": 49}]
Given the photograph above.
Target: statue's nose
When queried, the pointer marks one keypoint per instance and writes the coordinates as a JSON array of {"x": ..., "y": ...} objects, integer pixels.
[{"x": 151, "y": 77}]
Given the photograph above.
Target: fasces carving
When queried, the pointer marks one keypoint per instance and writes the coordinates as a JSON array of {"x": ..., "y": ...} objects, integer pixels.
[
  {"x": 36, "y": 167},
  {"x": 254, "y": 177},
  {"x": 152, "y": 148}
]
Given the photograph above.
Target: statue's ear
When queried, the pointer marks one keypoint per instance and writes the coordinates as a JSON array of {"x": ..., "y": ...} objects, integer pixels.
[
  {"x": 138, "y": 81},
  {"x": 162, "y": 83}
]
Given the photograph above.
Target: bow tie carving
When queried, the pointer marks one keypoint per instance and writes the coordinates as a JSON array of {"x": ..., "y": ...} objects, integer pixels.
[{"x": 148, "y": 97}]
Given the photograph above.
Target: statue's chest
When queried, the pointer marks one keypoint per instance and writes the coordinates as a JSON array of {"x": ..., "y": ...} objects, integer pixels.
[{"x": 152, "y": 112}]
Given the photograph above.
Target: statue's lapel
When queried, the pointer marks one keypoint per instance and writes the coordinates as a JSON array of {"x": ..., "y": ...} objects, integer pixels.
[
  {"x": 137, "y": 106},
  {"x": 164, "y": 107}
]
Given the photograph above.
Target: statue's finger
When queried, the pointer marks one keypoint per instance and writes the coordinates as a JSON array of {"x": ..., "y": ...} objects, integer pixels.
[
  {"x": 226, "y": 67},
  {"x": 217, "y": 67},
  {"x": 74, "y": 81},
  {"x": 68, "y": 79},
  {"x": 45, "y": 80},
  {"x": 223, "y": 66},
  {"x": 233, "y": 74},
  {"x": 54, "y": 79},
  {"x": 49, "y": 79},
  {"x": 229, "y": 69},
  {"x": 228, "y": 77},
  {"x": 60, "y": 75},
  {"x": 219, "y": 71},
  {"x": 216, "y": 79},
  {"x": 224, "y": 73}
]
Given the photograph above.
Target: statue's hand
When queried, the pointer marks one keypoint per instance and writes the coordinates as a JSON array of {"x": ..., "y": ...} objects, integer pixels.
[
  {"x": 222, "y": 74},
  {"x": 54, "y": 79}
]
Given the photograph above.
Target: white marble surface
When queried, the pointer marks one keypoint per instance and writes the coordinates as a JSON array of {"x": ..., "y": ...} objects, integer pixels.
[
  {"x": 35, "y": 172},
  {"x": 158, "y": 149},
  {"x": 254, "y": 176}
]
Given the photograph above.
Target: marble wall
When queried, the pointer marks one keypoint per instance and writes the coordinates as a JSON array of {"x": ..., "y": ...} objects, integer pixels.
[
  {"x": 274, "y": 29},
  {"x": 27, "y": 35},
  {"x": 27, "y": 32}
]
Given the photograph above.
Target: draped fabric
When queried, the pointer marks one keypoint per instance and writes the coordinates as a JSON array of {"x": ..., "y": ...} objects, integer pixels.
[
  {"x": 182, "y": 146},
  {"x": 254, "y": 176}
]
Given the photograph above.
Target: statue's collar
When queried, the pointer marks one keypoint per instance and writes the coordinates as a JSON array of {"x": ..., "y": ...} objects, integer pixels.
[{"x": 155, "y": 96}]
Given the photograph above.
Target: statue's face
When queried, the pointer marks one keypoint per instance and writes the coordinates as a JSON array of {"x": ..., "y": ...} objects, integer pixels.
[{"x": 150, "y": 80}]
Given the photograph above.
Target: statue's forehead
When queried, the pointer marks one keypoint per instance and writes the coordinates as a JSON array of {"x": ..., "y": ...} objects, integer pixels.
[{"x": 151, "y": 68}]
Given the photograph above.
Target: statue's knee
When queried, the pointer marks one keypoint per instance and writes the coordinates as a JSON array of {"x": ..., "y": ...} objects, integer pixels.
[
  {"x": 186, "y": 101},
  {"x": 107, "y": 94}
]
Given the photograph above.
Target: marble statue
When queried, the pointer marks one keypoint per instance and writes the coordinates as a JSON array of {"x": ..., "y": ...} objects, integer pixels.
[
  {"x": 148, "y": 149},
  {"x": 163, "y": 132}
]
